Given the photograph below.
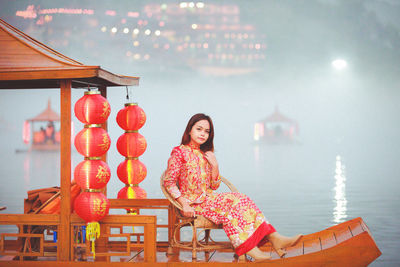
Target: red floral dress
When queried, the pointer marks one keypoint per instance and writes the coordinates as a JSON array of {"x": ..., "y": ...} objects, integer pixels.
[{"x": 189, "y": 175}]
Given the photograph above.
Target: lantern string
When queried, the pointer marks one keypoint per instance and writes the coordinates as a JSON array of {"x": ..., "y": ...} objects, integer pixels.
[
  {"x": 129, "y": 94},
  {"x": 132, "y": 212}
]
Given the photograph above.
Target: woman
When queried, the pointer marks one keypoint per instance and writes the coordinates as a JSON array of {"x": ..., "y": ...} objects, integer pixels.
[{"x": 194, "y": 168}]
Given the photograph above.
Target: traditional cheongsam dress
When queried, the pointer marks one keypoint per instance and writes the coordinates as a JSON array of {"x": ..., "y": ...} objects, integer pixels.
[{"x": 189, "y": 175}]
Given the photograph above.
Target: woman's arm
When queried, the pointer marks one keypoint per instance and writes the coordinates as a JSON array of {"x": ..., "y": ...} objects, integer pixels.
[
  {"x": 175, "y": 163},
  {"x": 215, "y": 178},
  {"x": 173, "y": 171}
]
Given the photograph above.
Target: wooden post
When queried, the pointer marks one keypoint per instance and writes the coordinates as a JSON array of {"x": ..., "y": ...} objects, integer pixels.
[
  {"x": 171, "y": 223},
  {"x": 63, "y": 242},
  {"x": 150, "y": 247}
]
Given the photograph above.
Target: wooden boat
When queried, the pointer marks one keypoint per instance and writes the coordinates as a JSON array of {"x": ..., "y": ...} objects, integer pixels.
[{"x": 346, "y": 244}]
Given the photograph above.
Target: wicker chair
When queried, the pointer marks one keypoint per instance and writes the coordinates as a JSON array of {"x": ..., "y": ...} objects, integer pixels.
[{"x": 197, "y": 223}]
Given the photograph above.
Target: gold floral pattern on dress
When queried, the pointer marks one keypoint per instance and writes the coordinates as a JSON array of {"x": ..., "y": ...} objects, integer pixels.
[
  {"x": 249, "y": 215},
  {"x": 235, "y": 222},
  {"x": 232, "y": 198},
  {"x": 243, "y": 236},
  {"x": 259, "y": 221}
]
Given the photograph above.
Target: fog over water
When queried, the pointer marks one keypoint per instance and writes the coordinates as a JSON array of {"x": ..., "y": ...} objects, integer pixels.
[{"x": 352, "y": 113}]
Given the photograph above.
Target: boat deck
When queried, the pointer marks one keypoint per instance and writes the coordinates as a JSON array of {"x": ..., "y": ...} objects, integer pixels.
[
  {"x": 137, "y": 257},
  {"x": 349, "y": 243},
  {"x": 179, "y": 258}
]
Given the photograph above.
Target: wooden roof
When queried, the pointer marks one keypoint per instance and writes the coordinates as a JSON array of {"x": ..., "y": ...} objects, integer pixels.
[
  {"x": 47, "y": 115},
  {"x": 26, "y": 63},
  {"x": 277, "y": 116}
]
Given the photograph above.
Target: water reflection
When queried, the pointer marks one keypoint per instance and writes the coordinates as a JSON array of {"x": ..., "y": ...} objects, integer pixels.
[
  {"x": 256, "y": 153},
  {"x": 339, "y": 212},
  {"x": 27, "y": 164},
  {"x": 41, "y": 169}
]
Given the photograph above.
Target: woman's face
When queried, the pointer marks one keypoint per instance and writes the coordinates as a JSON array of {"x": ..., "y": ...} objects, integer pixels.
[{"x": 200, "y": 132}]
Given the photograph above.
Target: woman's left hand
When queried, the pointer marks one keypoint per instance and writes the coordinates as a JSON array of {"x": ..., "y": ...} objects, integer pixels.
[{"x": 210, "y": 156}]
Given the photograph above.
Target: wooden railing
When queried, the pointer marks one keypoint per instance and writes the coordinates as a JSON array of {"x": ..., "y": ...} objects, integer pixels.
[
  {"x": 105, "y": 247},
  {"x": 30, "y": 241},
  {"x": 19, "y": 245},
  {"x": 151, "y": 204}
]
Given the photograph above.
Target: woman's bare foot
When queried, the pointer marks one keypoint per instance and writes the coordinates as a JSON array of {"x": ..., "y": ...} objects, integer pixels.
[
  {"x": 258, "y": 255},
  {"x": 279, "y": 242}
]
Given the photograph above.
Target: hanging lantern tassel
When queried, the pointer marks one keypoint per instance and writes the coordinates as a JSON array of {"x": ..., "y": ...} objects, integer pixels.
[
  {"x": 92, "y": 233},
  {"x": 132, "y": 212},
  {"x": 92, "y": 207}
]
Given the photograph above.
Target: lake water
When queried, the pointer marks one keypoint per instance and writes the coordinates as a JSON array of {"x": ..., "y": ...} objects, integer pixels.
[
  {"x": 300, "y": 191},
  {"x": 346, "y": 164}
]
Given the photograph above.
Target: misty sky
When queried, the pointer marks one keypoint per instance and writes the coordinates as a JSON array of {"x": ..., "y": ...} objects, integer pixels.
[{"x": 302, "y": 37}]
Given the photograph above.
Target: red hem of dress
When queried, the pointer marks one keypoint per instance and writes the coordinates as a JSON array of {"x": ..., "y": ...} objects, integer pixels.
[{"x": 258, "y": 238}]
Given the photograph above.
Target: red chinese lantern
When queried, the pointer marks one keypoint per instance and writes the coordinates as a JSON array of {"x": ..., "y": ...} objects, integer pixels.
[
  {"x": 131, "y": 171},
  {"x": 131, "y": 118},
  {"x": 26, "y": 132},
  {"x": 132, "y": 192},
  {"x": 92, "y": 207},
  {"x": 92, "y": 141},
  {"x": 131, "y": 144},
  {"x": 92, "y": 108},
  {"x": 92, "y": 174}
]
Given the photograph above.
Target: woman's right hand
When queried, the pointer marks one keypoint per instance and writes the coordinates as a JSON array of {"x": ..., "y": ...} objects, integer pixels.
[{"x": 187, "y": 210}]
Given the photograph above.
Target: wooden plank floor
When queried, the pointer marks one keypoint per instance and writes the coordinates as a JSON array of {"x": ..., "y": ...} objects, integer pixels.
[
  {"x": 186, "y": 256},
  {"x": 310, "y": 244}
]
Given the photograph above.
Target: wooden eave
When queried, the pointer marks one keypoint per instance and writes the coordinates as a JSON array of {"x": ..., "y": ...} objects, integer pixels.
[
  {"x": 25, "y": 63},
  {"x": 50, "y": 78}
]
